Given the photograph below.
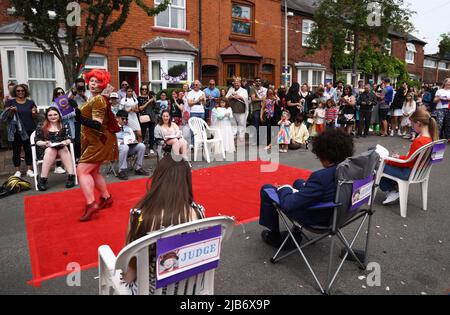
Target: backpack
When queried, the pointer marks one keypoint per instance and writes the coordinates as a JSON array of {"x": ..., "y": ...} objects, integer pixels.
[{"x": 14, "y": 185}]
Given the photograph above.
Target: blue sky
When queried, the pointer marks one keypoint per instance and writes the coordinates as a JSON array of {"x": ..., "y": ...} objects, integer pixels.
[{"x": 432, "y": 19}]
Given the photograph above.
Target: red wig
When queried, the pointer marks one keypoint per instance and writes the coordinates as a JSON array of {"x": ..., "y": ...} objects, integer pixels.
[{"x": 102, "y": 76}]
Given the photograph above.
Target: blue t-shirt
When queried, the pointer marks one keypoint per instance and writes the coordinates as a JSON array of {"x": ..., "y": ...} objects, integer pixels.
[
  {"x": 25, "y": 113},
  {"x": 389, "y": 94},
  {"x": 214, "y": 93}
]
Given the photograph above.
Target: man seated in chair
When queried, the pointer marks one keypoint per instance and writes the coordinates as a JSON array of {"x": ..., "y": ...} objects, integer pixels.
[
  {"x": 128, "y": 146},
  {"x": 331, "y": 148}
]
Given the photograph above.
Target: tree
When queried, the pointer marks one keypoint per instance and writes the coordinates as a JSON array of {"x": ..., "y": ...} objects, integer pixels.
[
  {"x": 53, "y": 25},
  {"x": 444, "y": 45},
  {"x": 359, "y": 21}
]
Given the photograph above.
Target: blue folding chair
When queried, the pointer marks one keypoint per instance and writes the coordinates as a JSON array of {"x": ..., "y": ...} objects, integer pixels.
[{"x": 355, "y": 189}]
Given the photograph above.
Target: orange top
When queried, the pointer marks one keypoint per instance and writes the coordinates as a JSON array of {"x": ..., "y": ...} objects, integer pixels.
[{"x": 416, "y": 145}]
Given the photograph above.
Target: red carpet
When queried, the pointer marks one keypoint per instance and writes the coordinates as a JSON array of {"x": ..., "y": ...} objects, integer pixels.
[{"x": 56, "y": 238}]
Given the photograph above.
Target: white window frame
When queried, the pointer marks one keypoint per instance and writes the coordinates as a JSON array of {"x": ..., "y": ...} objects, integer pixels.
[
  {"x": 388, "y": 47},
  {"x": 169, "y": 8},
  {"x": 105, "y": 64},
  {"x": 310, "y": 76},
  {"x": 350, "y": 42},
  {"x": 9, "y": 78},
  {"x": 136, "y": 69},
  {"x": 164, "y": 64},
  {"x": 289, "y": 74},
  {"x": 445, "y": 67},
  {"x": 410, "y": 55},
  {"x": 305, "y": 34},
  {"x": 430, "y": 63}
]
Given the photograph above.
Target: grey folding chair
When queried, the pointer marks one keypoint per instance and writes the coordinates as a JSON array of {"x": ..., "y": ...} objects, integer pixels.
[{"x": 355, "y": 189}]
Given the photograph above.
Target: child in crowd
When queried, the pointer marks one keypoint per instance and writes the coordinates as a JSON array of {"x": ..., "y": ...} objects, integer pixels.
[
  {"x": 319, "y": 118},
  {"x": 409, "y": 107},
  {"x": 221, "y": 119},
  {"x": 283, "y": 135},
  {"x": 163, "y": 103},
  {"x": 299, "y": 133},
  {"x": 331, "y": 113}
]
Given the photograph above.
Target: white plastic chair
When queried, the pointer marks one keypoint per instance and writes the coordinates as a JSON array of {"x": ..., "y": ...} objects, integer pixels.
[
  {"x": 111, "y": 267},
  {"x": 200, "y": 128},
  {"x": 37, "y": 162},
  {"x": 420, "y": 174}
]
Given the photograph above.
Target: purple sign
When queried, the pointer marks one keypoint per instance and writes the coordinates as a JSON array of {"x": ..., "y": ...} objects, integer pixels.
[
  {"x": 362, "y": 192},
  {"x": 63, "y": 105},
  {"x": 437, "y": 155},
  {"x": 183, "y": 256}
]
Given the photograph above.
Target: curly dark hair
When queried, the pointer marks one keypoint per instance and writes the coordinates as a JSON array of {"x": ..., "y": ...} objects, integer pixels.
[{"x": 334, "y": 146}]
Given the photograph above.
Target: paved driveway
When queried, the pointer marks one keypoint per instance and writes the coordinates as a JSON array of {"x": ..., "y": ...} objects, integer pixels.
[{"x": 413, "y": 253}]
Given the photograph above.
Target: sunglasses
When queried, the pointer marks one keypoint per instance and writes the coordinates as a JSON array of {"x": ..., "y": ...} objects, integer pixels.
[
  {"x": 60, "y": 93},
  {"x": 144, "y": 89},
  {"x": 123, "y": 118},
  {"x": 124, "y": 84},
  {"x": 20, "y": 91}
]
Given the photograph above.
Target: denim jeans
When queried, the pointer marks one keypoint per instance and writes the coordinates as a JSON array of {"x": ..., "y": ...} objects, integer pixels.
[
  {"x": 387, "y": 184},
  {"x": 198, "y": 115}
]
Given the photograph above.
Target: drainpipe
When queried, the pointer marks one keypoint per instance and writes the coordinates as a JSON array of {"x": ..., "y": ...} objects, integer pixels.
[{"x": 200, "y": 40}]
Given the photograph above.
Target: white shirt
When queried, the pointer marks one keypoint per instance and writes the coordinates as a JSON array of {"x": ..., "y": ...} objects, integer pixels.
[
  {"x": 445, "y": 99},
  {"x": 192, "y": 96}
]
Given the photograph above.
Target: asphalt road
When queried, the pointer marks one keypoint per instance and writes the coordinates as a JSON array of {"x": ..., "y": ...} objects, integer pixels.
[{"x": 413, "y": 253}]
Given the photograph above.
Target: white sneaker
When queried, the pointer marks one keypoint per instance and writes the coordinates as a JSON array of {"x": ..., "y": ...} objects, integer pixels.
[
  {"x": 392, "y": 133},
  {"x": 391, "y": 197},
  {"x": 60, "y": 170},
  {"x": 399, "y": 133},
  {"x": 30, "y": 173},
  {"x": 152, "y": 152},
  {"x": 17, "y": 174}
]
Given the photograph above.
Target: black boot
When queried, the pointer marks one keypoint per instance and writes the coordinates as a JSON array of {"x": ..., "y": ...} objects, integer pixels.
[
  {"x": 42, "y": 183},
  {"x": 70, "y": 181}
]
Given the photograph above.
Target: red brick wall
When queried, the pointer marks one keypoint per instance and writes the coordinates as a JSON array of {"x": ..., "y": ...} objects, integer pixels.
[
  {"x": 296, "y": 52},
  {"x": 217, "y": 33},
  {"x": 139, "y": 29}
]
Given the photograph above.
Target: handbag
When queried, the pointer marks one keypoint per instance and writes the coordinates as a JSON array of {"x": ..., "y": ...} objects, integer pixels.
[{"x": 144, "y": 119}]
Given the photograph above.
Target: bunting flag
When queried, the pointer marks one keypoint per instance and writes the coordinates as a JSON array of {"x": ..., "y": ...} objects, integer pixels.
[{"x": 173, "y": 79}]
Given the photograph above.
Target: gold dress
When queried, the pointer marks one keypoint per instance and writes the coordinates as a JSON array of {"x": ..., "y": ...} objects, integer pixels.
[{"x": 97, "y": 146}]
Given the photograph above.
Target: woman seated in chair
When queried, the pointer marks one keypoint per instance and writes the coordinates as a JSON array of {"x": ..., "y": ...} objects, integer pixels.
[
  {"x": 171, "y": 134},
  {"x": 332, "y": 148},
  {"x": 51, "y": 141},
  {"x": 426, "y": 128},
  {"x": 168, "y": 202}
]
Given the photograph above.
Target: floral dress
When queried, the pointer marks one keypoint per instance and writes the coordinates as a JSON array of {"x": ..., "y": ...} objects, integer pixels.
[{"x": 135, "y": 221}]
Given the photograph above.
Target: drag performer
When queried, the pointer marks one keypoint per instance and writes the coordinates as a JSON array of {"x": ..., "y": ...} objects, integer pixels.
[{"x": 98, "y": 143}]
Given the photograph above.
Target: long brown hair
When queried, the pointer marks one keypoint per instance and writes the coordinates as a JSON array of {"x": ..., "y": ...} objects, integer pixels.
[
  {"x": 425, "y": 118},
  {"x": 168, "y": 201},
  {"x": 46, "y": 125}
]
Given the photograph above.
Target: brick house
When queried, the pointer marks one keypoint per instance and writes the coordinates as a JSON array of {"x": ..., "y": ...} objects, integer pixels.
[
  {"x": 436, "y": 69},
  {"x": 315, "y": 69},
  {"x": 229, "y": 37}
]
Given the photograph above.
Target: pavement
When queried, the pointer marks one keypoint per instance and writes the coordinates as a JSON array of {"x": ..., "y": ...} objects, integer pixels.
[{"x": 413, "y": 253}]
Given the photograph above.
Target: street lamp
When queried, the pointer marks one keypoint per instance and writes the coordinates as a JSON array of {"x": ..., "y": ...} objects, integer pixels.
[{"x": 286, "y": 15}]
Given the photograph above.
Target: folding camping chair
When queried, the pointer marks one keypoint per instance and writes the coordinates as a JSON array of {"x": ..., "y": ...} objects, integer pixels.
[
  {"x": 355, "y": 188},
  {"x": 193, "y": 282}
]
